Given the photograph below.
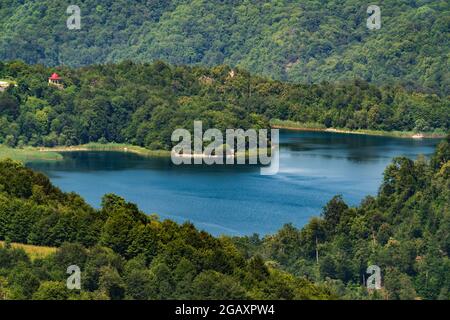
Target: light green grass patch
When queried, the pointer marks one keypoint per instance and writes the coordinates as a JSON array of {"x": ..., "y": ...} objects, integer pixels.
[
  {"x": 27, "y": 154},
  {"x": 34, "y": 252},
  {"x": 311, "y": 126},
  {"x": 120, "y": 147}
]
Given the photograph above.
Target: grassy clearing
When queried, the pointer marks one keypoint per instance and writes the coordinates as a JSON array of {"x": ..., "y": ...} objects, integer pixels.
[
  {"x": 288, "y": 124},
  {"x": 121, "y": 147},
  {"x": 34, "y": 252},
  {"x": 27, "y": 154},
  {"x": 292, "y": 125}
]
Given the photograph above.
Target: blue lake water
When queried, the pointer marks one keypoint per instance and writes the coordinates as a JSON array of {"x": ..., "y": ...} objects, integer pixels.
[{"x": 237, "y": 200}]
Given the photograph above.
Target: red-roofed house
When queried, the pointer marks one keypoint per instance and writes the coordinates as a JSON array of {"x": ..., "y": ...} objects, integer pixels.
[{"x": 55, "y": 80}]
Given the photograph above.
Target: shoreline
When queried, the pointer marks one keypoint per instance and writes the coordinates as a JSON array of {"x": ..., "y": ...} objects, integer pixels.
[
  {"x": 392, "y": 134},
  {"x": 27, "y": 154},
  {"x": 136, "y": 150},
  {"x": 113, "y": 147}
]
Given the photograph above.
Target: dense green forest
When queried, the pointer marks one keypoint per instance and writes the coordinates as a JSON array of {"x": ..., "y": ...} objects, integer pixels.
[
  {"x": 405, "y": 230},
  {"x": 122, "y": 253},
  {"x": 300, "y": 40},
  {"x": 142, "y": 104},
  {"x": 137, "y": 70},
  {"x": 125, "y": 254}
]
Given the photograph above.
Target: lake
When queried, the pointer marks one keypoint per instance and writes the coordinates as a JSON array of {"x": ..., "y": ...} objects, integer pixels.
[{"x": 237, "y": 200}]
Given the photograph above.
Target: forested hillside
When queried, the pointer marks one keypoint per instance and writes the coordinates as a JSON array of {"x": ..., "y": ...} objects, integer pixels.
[
  {"x": 122, "y": 253},
  {"x": 405, "y": 230},
  {"x": 142, "y": 104},
  {"x": 125, "y": 254},
  {"x": 300, "y": 40}
]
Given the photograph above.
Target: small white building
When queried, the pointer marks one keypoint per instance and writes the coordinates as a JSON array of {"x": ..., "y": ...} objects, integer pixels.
[{"x": 3, "y": 85}]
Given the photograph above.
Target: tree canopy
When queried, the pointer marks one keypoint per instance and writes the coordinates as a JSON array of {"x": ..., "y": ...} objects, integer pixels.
[
  {"x": 142, "y": 104},
  {"x": 297, "y": 40},
  {"x": 121, "y": 252},
  {"x": 126, "y": 254},
  {"x": 405, "y": 230}
]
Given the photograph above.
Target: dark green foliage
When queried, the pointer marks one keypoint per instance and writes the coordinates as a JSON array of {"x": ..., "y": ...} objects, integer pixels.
[
  {"x": 122, "y": 253},
  {"x": 125, "y": 254},
  {"x": 405, "y": 230},
  {"x": 51, "y": 290},
  {"x": 211, "y": 285},
  {"x": 333, "y": 212},
  {"x": 128, "y": 255},
  {"x": 301, "y": 40},
  {"x": 142, "y": 104}
]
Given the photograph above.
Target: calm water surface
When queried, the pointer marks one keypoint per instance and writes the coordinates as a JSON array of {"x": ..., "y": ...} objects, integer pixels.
[{"x": 237, "y": 200}]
